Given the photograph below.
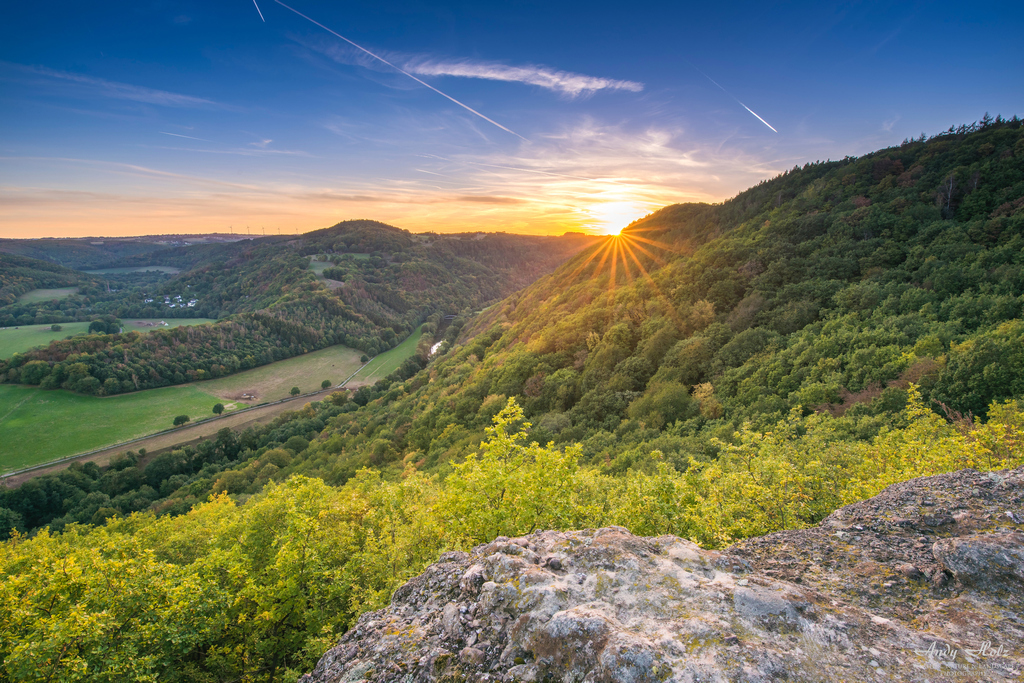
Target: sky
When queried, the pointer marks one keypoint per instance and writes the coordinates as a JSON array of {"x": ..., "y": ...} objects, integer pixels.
[{"x": 169, "y": 117}]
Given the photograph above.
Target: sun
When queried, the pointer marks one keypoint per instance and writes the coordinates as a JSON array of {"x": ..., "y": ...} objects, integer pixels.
[{"x": 609, "y": 218}]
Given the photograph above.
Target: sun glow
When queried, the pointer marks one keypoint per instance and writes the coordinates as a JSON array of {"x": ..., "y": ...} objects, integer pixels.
[{"x": 609, "y": 218}]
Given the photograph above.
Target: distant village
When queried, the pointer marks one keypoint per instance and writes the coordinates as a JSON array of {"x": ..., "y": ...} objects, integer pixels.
[{"x": 175, "y": 302}]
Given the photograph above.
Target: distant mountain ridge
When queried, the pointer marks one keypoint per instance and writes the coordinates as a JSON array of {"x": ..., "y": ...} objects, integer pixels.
[{"x": 273, "y": 306}]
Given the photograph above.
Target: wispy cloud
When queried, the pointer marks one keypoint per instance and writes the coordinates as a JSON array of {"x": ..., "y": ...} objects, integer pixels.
[
  {"x": 565, "y": 82},
  {"x": 113, "y": 89},
  {"x": 577, "y": 177},
  {"x": 401, "y": 71}
]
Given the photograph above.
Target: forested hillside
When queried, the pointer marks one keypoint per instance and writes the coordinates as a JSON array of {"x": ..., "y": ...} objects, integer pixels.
[
  {"x": 828, "y": 291},
  {"x": 19, "y": 275},
  {"x": 273, "y": 306},
  {"x": 83, "y": 253},
  {"x": 715, "y": 372}
]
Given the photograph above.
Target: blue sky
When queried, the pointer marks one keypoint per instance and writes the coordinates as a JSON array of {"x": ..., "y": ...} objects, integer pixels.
[{"x": 539, "y": 117}]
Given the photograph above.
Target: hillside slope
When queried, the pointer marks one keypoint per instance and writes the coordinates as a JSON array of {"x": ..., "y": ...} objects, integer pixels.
[{"x": 828, "y": 291}]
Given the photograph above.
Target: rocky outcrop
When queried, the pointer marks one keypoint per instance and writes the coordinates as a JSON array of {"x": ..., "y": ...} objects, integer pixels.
[{"x": 924, "y": 582}]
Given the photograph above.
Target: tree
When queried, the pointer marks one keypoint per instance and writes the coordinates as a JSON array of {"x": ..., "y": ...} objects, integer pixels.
[
  {"x": 180, "y": 420},
  {"x": 326, "y": 383},
  {"x": 296, "y": 391},
  {"x": 218, "y": 408},
  {"x": 56, "y": 328},
  {"x": 364, "y": 358}
]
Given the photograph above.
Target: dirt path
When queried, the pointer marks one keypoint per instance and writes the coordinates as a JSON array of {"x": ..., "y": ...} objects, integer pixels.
[{"x": 189, "y": 434}]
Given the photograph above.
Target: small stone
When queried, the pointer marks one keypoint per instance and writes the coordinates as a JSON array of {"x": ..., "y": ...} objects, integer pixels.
[
  {"x": 731, "y": 639},
  {"x": 472, "y": 656},
  {"x": 910, "y": 571},
  {"x": 553, "y": 563}
]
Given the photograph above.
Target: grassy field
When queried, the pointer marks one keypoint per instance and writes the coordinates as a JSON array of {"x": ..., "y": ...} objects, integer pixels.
[
  {"x": 170, "y": 270},
  {"x": 37, "y": 295},
  {"x": 384, "y": 364},
  {"x": 14, "y": 341},
  {"x": 274, "y": 381},
  {"x": 132, "y": 323},
  {"x": 318, "y": 266},
  {"x": 25, "y": 337},
  {"x": 37, "y": 426}
]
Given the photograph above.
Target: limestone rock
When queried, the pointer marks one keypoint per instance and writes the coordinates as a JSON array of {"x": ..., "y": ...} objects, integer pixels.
[{"x": 924, "y": 582}]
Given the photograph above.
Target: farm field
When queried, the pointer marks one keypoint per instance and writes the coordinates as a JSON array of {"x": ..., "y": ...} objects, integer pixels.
[
  {"x": 25, "y": 337},
  {"x": 170, "y": 270},
  {"x": 383, "y": 364},
  {"x": 274, "y": 381},
  {"x": 37, "y": 295},
  {"x": 37, "y": 426},
  {"x": 130, "y": 324}
]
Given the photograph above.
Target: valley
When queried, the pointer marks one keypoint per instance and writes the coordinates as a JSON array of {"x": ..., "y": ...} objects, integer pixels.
[{"x": 714, "y": 372}]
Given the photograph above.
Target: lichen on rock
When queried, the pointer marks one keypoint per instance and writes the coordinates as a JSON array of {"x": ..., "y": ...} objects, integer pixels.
[{"x": 921, "y": 583}]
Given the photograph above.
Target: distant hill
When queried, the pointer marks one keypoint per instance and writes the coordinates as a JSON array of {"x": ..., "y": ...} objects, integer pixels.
[
  {"x": 92, "y": 253},
  {"x": 384, "y": 282}
]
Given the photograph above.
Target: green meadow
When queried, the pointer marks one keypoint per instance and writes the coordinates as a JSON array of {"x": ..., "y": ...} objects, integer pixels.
[
  {"x": 24, "y": 337},
  {"x": 318, "y": 266},
  {"x": 37, "y": 426},
  {"x": 37, "y": 295},
  {"x": 383, "y": 364}
]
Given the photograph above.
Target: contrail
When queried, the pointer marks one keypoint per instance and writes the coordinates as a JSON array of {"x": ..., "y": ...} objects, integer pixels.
[
  {"x": 401, "y": 71},
  {"x": 730, "y": 95},
  {"x": 178, "y": 135},
  {"x": 258, "y": 10}
]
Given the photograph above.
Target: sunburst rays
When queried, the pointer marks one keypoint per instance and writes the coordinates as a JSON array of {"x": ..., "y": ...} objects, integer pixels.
[{"x": 621, "y": 257}]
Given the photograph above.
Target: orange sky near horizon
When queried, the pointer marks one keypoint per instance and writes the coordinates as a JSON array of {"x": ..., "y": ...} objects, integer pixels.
[{"x": 182, "y": 208}]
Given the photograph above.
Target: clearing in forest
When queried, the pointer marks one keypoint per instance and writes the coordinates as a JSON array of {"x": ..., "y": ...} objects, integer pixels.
[{"x": 37, "y": 295}]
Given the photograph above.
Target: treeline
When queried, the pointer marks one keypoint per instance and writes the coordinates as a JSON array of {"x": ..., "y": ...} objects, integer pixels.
[
  {"x": 110, "y": 364},
  {"x": 258, "y": 591}
]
